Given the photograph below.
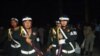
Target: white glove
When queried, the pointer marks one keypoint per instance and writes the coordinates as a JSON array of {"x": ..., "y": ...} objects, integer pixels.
[
  {"x": 53, "y": 45},
  {"x": 62, "y": 41},
  {"x": 38, "y": 39}
]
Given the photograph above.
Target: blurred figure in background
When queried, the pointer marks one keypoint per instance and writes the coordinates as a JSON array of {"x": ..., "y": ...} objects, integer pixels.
[
  {"x": 97, "y": 32},
  {"x": 89, "y": 35}
]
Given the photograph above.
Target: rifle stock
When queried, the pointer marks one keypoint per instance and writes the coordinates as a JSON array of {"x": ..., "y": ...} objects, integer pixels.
[
  {"x": 60, "y": 46},
  {"x": 37, "y": 50},
  {"x": 59, "y": 50}
]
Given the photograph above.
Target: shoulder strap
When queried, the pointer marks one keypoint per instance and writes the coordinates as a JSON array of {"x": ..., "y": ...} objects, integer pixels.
[
  {"x": 10, "y": 35},
  {"x": 23, "y": 31},
  {"x": 73, "y": 49},
  {"x": 63, "y": 33}
]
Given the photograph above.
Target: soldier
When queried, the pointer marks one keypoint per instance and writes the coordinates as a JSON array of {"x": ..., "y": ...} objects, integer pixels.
[
  {"x": 65, "y": 39},
  {"x": 66, "y": 42},
  {"x": 14, "y": 37},
  {"x": 30, "y": 40},
  {"x": 52, "y": 40}
]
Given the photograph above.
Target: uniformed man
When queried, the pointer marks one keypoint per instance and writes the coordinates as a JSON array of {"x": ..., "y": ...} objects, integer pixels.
[
  {"x": 65, "y": 39},
  {"x": 14, "y": 37},
  {"x": 30, "y": 41},
  {"x": 52, "y": 40}
]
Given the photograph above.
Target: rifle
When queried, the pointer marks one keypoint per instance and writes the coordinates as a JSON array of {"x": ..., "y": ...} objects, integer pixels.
[
  {"x": 59, "y": 50},
  {"x": 37, "y": 50},
  {"x": 60, "y": 46},
  {"x": 33, "y": 45}
]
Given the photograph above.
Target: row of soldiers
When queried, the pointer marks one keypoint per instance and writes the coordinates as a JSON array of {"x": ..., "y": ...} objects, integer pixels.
[{"x": 25, "y": 40}]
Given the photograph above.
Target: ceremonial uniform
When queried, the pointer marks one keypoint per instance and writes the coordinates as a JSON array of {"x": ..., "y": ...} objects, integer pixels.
[
  {"x": 53, "y": 40},
  {"x": 14, "y": 38},
  {"x": 68, "y": 48},
  {"x": 26, "y": 48},
  {"x": 14, "y": 41},
  {"x": 64, "y": 41}
]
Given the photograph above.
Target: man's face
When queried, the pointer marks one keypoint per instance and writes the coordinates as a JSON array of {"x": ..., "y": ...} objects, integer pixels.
[
  {"x": 27, "y": 24},
  {"x": 64, "y": 23},
  {"x": 14, "y": 23}
]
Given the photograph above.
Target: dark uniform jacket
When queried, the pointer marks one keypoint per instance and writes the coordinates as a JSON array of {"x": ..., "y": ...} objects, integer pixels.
[
  {"x": 71, "y": 35},
  {"x": 35, "y": 40}
]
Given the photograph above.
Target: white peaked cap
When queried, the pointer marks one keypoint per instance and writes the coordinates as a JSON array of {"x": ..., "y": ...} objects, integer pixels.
[
  {"x": 63, "y": 18},
  {"x": 26, "y": 18},
  {"x": 14, "y": 19}
]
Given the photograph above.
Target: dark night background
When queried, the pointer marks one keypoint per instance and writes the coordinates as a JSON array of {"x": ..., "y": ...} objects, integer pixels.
[{"x": 46, "y": 12}]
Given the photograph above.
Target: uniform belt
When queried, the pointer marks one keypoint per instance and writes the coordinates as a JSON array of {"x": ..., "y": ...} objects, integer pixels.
[
  {"x": 70, "y": 51},
  {"x": 28, "y": 52},
  {"x": 54, "y": 45},
  {"x": 15, "y": 46},
  {"x": 67, "y": 51}
]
